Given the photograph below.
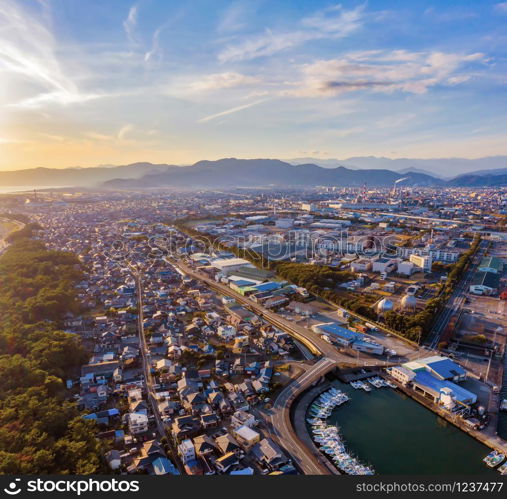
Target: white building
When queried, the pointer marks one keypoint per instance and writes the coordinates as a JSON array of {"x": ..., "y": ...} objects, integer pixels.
[
  {"x": 138, "y": 423},
  {"x": 246, "y": 437},
  {"x": 361, "y": 265},
  {"x": 384, "y": 265},
  {"x": 405, "y": 268},
  {"x": 229, "y": 264},
  {"x": 186, "y": 450},
  {"x": 402, "y": 374},
  {"x": 422, "y": 262},
  {"x": 226, "y": 332}
]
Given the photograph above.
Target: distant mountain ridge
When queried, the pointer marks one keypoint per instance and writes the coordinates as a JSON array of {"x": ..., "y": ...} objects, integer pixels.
[
  {"x": 440, "y": 167},
  {"x": 232, "y": 172},
  {"x": 76, "y": 177}
]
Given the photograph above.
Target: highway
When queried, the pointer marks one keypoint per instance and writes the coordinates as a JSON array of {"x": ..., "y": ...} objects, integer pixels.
[{"x": 457, "y": 298}]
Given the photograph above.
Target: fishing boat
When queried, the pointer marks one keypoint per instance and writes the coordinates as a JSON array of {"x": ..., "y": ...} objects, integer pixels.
[
  {"x": 494, "y": 458},
  {"x": 365, "y": 386},
  {"x": 503, "y": 469},
  {"x": 498, "y": 459}
]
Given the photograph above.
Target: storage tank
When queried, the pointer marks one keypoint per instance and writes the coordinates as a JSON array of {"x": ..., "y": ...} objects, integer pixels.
[
  {"x": 384, "y": 306},
  {"x": 409, "y": 302}
]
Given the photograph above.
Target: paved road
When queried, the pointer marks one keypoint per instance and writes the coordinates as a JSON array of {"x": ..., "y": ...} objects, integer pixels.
[
  {"x": 152, "y": 399},
  {"x": 282, "y": 425},
  {"x": 3, "y": 243},
  {"x": 457, "y": 298}
]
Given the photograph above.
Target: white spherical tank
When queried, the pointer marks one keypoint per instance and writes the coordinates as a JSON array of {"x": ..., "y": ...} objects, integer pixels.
[
  {"x": 409, "y": 302},
  {"x": 384, "y": 306}
]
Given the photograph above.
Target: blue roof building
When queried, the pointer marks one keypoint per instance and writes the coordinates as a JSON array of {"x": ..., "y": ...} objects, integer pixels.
[
  {"x": 432, "y": 386},
  {"x": 342, "y": 335},
  {"x": 268, "y": 286},
  {"x": 446, "y": 369},
  {"x": 162, "y": 466}
]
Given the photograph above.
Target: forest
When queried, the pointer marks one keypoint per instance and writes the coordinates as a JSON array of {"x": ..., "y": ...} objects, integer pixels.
[{"x": 41, "y": 430}]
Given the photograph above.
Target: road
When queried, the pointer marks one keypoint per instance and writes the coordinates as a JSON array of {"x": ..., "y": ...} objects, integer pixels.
[
  {"x": 152, "y": 399},
  {"x": 3, "y": 243},
  {"x": 457, "y": 298},
  {"x": 282, "y": 425}
]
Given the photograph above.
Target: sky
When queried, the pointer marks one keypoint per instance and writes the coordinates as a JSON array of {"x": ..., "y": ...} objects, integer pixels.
[{"x": 86, "y": 83}]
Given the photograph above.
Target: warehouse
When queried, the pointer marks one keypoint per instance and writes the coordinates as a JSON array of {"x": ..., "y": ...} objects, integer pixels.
[{"x": 432, "y": 388}]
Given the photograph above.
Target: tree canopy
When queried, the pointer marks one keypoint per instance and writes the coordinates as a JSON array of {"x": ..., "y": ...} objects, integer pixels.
[{"x": 41, "y": 430}]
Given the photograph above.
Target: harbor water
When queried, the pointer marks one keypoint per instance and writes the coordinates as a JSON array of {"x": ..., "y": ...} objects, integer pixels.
[{"x": 396, "y": 435}]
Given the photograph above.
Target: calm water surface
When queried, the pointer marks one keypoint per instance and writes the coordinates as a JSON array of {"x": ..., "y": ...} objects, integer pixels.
[{"x": 397, "y": 435}]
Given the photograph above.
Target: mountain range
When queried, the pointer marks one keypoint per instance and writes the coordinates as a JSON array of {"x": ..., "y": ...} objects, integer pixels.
[
  {"x": 440, "y": 167},
  {"x": 232, "y": 172}
]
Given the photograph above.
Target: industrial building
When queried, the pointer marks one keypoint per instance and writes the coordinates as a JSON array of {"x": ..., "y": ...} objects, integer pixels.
[
  {"x": 347, "y": 338},
  {"x": 485, "y": 283},
  {"x": 440, "y": 390}
]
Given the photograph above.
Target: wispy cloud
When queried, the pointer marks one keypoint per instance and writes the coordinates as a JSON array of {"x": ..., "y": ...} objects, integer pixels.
[
  {"x": 28, "y": 49},
  {"x": 230, "y": 111},
  {"x": 333, "y": 22},
  {"x": 155, "y": 45},
  {"x": 130, "y": 23},
  {"x": 218, "y": 81},
  {"x": 124, "y": 130},
  {"x": 388, "y": 71},
  {"x": 234, "y": 17},
  {"x": 501, "y": 7}
]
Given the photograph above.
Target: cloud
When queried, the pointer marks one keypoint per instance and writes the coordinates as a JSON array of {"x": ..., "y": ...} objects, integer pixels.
[
  {"x": 382, "y": 71},
  {"x": 501, "y": 7},
  {"x": 230, "y": 111},
  {"x": 334, "y": 22},
  {"x": 155, "y": 45},
  {"x": 124, "y": 130},
  {"x": 234, "y": 17},
  {"x": 98, "y": 136},
  {"x": 28, "y": 50},
  {"x": 218, "y": 81},
  {"x": 396, "y": 120},
  {"x": 130, "y": 24},
  {"x": 56, "y": 138}
]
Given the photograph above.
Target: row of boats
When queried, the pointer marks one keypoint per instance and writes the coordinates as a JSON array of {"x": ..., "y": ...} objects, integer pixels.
[
  {"x": 494, "y": 458},
  {"x": 328, "y": 437},
  {"x": 375, "y": 382}
]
